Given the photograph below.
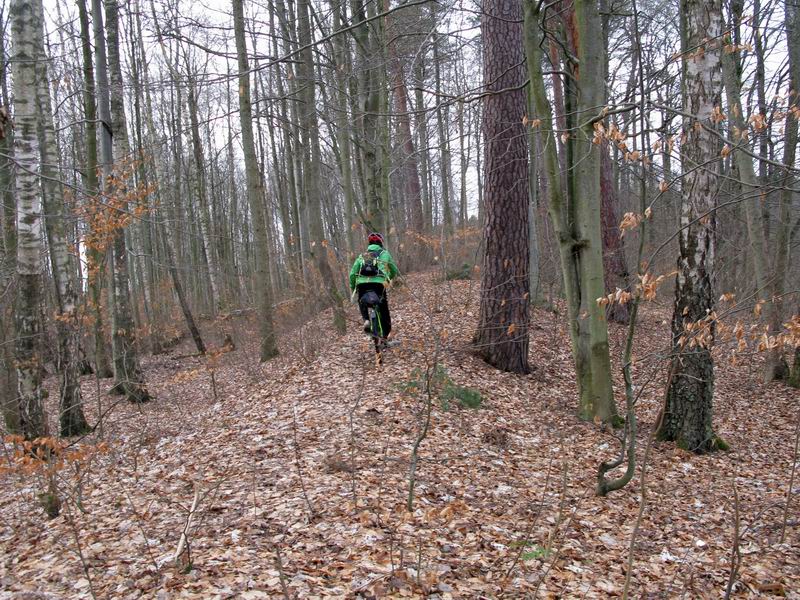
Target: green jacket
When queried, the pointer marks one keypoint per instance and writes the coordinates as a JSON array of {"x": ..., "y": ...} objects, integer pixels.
[{"x": 388, "y": 270}]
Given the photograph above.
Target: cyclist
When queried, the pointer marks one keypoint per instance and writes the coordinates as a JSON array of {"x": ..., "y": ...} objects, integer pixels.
[{"x": 370, "y": 273}]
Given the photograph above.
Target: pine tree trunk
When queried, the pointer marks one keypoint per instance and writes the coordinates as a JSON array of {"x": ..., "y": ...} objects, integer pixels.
[
  {"x": 687, "y": 417},
  {"x": 502, "y": 336},
  {"x": 614, "y": 263},
  {"x": 28, "y": 316},
  {"x": 269, "y": 346}
]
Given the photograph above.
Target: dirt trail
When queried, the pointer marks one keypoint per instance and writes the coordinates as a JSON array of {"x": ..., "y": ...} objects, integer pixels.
[{"x": 304, "y": 462}]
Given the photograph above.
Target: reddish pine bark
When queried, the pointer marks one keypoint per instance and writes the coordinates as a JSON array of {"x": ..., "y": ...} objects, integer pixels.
[{"x": 502, "y": 336}]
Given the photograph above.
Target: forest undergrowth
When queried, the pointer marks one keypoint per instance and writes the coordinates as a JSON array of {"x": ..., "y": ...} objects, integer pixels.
[{"x": 291, "y": 478}]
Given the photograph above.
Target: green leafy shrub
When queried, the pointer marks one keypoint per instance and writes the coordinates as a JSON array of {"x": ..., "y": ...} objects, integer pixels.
[
  {"x": 467, "y": 397},
  {"x": 443, "y": 388}
]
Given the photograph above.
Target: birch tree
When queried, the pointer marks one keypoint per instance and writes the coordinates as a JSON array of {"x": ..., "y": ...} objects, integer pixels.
[
  {"x": 688, "y": 408},
  {"x": 71, "y": 418},
  {"x": 28, "y": 322}
]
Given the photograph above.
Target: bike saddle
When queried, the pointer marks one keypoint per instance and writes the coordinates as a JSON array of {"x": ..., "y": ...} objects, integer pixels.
[{"x": 371, "y": 299}]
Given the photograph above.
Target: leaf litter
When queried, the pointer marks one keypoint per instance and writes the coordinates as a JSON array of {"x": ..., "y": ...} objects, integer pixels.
[{"x": 300, "y": 470}]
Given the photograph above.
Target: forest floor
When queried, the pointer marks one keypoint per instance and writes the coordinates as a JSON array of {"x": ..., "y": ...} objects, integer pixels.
[{"x": 296, "y": 477}]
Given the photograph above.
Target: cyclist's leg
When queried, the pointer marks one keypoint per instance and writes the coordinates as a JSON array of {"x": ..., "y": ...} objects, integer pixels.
[{"x": 360, "y": 291}]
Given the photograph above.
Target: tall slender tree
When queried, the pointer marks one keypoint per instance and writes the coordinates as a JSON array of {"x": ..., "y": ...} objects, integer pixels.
[
  {"x": 312, "y": 161},
  {"x": 8, "y": 254},
  {"x": 28, "y": 330},
  {"x": 71, "y": 417},
  {"x": 792, "y": 12},
  {"x": 96, "y": 258},
  {"x": 128, "y": 378},
  {"x": 255, "y": 192},
  {"x": 370, "y": 119},
  {"x": 776, "y": 366}
]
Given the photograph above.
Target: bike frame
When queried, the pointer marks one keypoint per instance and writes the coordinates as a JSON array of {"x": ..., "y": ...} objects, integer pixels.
[{"x": 376, "y": 332}]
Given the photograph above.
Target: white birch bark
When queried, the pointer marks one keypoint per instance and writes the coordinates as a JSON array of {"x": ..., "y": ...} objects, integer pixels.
[
  {"x": 688, "y": 409},
  {"x": 28, "y": 325},
  {"x": 71, "y": 418}
]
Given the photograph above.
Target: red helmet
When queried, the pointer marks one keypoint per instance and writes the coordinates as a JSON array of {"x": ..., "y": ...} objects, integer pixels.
[{"x": 375, "y": 238}]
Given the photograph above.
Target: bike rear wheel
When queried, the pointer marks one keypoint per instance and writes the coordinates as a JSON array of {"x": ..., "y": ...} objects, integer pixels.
[{"x": 376, "y": 332}]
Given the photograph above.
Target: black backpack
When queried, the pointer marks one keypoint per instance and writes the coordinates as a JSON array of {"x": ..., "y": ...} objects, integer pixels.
[{"x": 369, "y": 267}]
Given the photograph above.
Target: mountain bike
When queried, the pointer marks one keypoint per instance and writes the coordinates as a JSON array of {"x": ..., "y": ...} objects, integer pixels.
[{"x": 372, "y": 300}]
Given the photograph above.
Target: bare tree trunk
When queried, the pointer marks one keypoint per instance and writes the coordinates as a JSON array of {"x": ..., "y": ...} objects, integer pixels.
[
  {"x": 96, "y": 257},
  {"x": 463, "y": 158},
  {"x": 751, "y": 190},
  {"x": 208, "y": 248},
  {"x": 592, "y": 324},
  {"x": 312, "y": 160},
  {"x": 576, "y": 218},
  {"x": 128, "y": 378},
  {"x": 409, "y": 168},
  {"x": 533, "y": 211},
  {"x": 405, "y": 141},
  {"x": 479, "y": 167},
  {"x": 776, "y": 366},
  {"x": 443, "y": 133},
  {"x": 344, "y": 128},
  {"x": 8, "y": 257},
  {"x": 502, "y": 336},
  {"x": 687, "y": 417},
  {"x": 169, "y": 233},
  {"x": 422, "y": 144},
  {"x": 28, "y": 348},
  {"x": 269, "y": 346},
  {"x": 71, "y": 418},
  {"x": 370, "y": 139},
  {"x": 614, "y": 264}
]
